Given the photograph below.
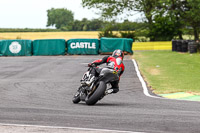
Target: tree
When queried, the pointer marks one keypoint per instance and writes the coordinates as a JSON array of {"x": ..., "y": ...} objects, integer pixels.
[
  {"x": 174, "y": 10},
  {"x": 84, "y": 24},
  {"x": 112, "y": 8},
  {"x": 95, "y": 24},
  {"x": 173, "y": 14},
  {"x": 109, "y": 8},
  {"x": 192, "y": 17},
  {"x": 61, "y": 18},
  {"x": 77, "y": 25},
  {"x": 88, "y": 25},
  {"x": 177, "y": 13},
  {"x": 167, "y": 20},
  {"x": 163, "y": 28},
  {"x": 184, "y": 13}
]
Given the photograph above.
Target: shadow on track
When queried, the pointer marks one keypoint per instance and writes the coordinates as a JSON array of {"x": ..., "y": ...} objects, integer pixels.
[{"x": 108, "y": 104}]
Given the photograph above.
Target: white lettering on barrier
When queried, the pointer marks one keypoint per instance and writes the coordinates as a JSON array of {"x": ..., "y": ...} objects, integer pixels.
[
  {"x": 83, "y": 45},
  {"x": 73, "y": 45}
]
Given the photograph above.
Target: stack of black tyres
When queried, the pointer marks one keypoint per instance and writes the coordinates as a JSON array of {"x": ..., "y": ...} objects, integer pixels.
[
  {"x": 179, "y": 45},
  {"x": 174, "y": 46},
  {"x": 184, "y": 46},
  {"x": 192, "y": 47}
]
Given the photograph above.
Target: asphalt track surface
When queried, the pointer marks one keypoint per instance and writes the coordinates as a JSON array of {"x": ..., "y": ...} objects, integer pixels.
[{"x": 38, "y": 91}]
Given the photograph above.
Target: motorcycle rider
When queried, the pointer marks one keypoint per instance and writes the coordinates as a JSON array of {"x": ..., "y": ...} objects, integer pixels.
[{"x": 114, "y": 62}]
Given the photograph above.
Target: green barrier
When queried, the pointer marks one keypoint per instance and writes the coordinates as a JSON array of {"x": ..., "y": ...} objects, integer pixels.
[
  {"x": 83, "y": 46},
  {"x": 111, "y": 44},
  {"x": 15, "y": 48},
  {"x": 0, "y": 47},
  {"x": 49, "y": 47}
]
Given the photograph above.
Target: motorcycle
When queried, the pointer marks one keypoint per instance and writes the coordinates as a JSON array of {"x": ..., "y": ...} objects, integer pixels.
[{"x": 95, "y": 91}]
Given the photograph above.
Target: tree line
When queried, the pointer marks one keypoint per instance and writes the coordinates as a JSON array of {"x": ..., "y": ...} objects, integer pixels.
[
  {"x": 63, "y": 19},
  {"x": 165, "y": 19}
]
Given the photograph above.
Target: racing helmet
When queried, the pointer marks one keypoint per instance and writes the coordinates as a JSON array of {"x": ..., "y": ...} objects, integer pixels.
[{"x": 118, "y": 53}]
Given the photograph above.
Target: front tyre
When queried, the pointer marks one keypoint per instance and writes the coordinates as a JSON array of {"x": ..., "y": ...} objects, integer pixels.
[
  {"x": 99, "y": 92},
  {"x": 76, "y": 99}
]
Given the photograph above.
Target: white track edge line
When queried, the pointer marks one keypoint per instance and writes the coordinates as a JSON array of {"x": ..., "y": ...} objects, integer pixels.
[
  {"x": 70, "y": 128},
  {"x": 145, "y": 89},
  {"x": 144, "y": 86}
]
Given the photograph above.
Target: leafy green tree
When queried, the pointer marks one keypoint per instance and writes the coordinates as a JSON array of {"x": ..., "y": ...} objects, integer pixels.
[
  {"x": 61, "y": 18},
  {"x": 88, "y": 25},
  {"x": 166, "y": 21},
  {"x": 109, "y": 8},
  {"x": 108, "y": 32},
  {"x": 162, "y": 16},
  {"x": 77, "y": 26},
  {"x": 127, "y": 26},
  {"x": 183, "y": 13},
  {"x": 112, "y": 8},
  {"x": 192, "y": 17},
  {"x": 163, "y": 28},
  {"x": 95, "y": 24},
  {"x": 174, "y": 10},
  {"x": 84, "y": 24}
]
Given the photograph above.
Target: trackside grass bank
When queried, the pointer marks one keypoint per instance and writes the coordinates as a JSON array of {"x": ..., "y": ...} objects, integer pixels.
[{"x": 170, "y": 72}]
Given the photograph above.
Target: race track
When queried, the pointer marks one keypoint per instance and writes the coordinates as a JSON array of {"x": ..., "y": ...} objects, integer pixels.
[{"x": 38, "y": 91}]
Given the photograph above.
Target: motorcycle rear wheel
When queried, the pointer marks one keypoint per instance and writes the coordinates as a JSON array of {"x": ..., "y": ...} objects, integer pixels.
[{"x": 97, "y": 94}]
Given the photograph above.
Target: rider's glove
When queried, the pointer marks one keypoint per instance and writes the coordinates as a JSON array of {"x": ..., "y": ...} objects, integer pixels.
[{"x": 91, "y": 65}]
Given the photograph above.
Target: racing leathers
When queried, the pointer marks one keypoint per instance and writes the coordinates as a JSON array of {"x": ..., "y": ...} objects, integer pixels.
[{"x": 112, "y": 62}]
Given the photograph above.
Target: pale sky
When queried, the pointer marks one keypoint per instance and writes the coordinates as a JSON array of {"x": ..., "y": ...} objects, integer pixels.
[{"x": 33, "y": 13}]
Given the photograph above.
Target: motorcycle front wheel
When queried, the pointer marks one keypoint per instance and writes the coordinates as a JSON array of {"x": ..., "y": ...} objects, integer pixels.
[
  {"x": 76, "y": 99},
  {"x": 97, "y": 94}
]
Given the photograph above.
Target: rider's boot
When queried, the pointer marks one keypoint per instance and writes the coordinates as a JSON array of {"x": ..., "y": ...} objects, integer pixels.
[{"x": 112, "y": 90}]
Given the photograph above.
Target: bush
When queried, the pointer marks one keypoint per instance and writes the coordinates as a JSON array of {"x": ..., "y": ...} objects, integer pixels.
[
  {"x": 107, "y": 32},
  {"x": 127, "y": 34}
]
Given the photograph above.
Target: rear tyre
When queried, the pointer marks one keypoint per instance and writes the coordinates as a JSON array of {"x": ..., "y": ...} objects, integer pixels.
[
  {"x": 76, "y": 99},
  {"x": 99, "y": 92}
]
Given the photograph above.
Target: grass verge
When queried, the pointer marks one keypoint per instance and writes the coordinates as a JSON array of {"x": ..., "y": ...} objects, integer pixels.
[{"x": 169, "y": 72}]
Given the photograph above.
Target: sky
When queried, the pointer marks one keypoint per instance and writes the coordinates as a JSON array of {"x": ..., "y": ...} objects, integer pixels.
[{"x": 33, "y": 13}]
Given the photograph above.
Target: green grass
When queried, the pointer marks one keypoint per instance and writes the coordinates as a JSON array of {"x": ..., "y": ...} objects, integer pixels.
[{"x": 168, "y": 72}]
